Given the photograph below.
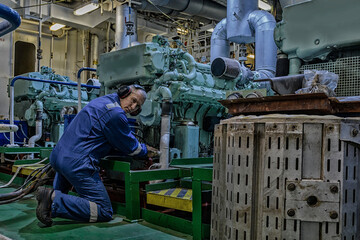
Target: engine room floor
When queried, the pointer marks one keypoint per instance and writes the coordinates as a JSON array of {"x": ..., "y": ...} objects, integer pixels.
[{"x": 18, "y": 221}]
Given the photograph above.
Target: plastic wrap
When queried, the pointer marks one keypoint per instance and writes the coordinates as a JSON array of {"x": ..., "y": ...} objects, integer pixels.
[{"x": 319, "y": 82}]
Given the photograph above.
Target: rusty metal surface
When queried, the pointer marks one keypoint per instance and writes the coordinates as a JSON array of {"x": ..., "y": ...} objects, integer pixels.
[{"x": 309, "y": 103}]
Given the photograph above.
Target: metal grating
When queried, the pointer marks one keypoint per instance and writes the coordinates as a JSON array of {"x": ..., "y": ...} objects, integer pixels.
[
  {"x": 286, "y": 178},
  {"x": 348, "y": 70}
]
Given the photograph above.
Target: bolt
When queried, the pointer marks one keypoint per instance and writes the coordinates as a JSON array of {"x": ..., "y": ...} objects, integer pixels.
[
  {"x": 291, "y": 187},
  {"x": 334, "y": 189},
  {"x": 291, "y": 212},
  {"x": 333, "y": 215},
  {"x": 354, "y": 132}
]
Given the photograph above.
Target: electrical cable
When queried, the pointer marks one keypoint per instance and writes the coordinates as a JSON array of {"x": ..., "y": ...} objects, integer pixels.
[{"x": 19, "y": 169}]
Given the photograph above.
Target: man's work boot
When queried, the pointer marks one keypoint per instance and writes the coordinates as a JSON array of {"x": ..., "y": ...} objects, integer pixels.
[{"x": 43, "y": 210}]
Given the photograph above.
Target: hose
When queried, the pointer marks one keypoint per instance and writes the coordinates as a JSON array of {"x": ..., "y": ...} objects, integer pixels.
[
  {"x": 42, "y": 175},
  {"x": 19, "y": 169}
]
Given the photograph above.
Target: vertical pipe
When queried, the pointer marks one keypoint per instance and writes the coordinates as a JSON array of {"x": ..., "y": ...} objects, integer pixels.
[
  {"x": 52, "y": 51},
  {"x": 66, "y": 50},
  {"x": 12, "y": 115},
  {"x": 238, "y": 29},
  {"x": 295, "y": 64},
  {"x": 39, "y": 38},
  {"x": 95, "y": 48}
]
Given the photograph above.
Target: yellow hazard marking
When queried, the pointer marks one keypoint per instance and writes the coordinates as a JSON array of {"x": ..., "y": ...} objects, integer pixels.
[
  {"x": 169, "y": 198},
  {"x": 27, "y": 170}
]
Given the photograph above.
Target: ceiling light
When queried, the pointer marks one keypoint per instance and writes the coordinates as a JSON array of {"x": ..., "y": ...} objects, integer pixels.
[
  {"x": 251, "y": 56},
  {"x": 264, "y": 6},
  {"x": 88, "y": 7},
  {"x": 56, "y": 26}
]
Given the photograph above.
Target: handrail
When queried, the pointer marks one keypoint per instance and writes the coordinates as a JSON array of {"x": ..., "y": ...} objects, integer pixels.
[{"x": 12, "y": 19}]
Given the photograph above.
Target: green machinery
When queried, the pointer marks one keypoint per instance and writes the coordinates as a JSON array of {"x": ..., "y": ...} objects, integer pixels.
[
  {"x": 54, "y": 100},
  {"x": 308, "y": 31},
  {"x": 170, "y": 74}
]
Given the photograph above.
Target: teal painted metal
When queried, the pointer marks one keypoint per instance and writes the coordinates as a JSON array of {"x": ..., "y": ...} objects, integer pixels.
[
  {"x": 189, "y": 134},
  {"x": 320, "y": 32},
  {"x": 194, "y": 91},
  {"x": 57, "y": 100}
]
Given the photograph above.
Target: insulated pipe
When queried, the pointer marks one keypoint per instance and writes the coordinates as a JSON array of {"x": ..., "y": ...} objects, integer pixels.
[
  {"x": 95, "y": 40},
  {"x": 203, "y": 8},
  {"x": 12, "y": 144},
  {"x": 122, "y": 15},
  {"x": 39, "y": 112},
  {"x": 166, "y": 95},
  {"x": 238, "y": 29},
  {"x": 79, "y": 85},
  {"x": 265, "y": 48},
  {"x": 220, "y": 46},
  {"x": 11, "y": 18},
  {"x": 8, "y": 128}
]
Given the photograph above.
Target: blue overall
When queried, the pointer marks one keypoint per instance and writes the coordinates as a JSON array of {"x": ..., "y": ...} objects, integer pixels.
[{"x": 96, "y": 130}]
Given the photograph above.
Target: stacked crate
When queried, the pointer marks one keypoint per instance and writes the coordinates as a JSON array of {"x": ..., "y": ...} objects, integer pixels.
[{"x": 280, "y": 177}]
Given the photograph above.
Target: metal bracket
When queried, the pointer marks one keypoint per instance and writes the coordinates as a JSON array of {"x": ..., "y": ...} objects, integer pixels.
[
  {"x": 312, "y": 201},
  {"x": 350, "y": 131}
]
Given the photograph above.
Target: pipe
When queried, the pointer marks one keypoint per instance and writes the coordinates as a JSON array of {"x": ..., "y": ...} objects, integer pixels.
[
  {"x": 95, "y": 40},
  {"x": 220, "y": 46},
  {"x": 192, "y": 68},
  {"x": 39, "y": 50},
  {"x": 51, "y": 51},
  {"x": 8, "y": 128},
  {"x": 265, "y": 48},
  {"x": 79, "y": 85},
  {"x": 11, "y": 18},
  {"x": 12, "y": 144},
  {"x": 166, "y": 95},
  {"x": 39, "y": 112},
  {"x": 61, "y": 94},
  {"x": 203, "y": 8},
  {"x": 237, "y": 27},
  {"x": 122, "y": 15}
]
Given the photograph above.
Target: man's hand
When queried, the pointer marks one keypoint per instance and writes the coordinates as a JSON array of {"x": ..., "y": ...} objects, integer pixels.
[{"x": 152, "y": 152}]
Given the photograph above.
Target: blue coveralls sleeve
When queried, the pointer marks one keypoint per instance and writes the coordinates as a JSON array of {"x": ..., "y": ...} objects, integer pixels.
[{"x": 117, "y": 131}]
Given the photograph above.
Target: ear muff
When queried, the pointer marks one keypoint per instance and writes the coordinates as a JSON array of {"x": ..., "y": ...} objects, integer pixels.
[{"x": 124, "y": 91}]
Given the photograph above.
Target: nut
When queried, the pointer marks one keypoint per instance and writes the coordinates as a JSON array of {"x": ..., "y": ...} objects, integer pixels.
[
  {"x": 334, "y": 189},
  {"x": 354, "y": 132},
  {"x": 291, "y": 212},
  {"x": 291, "y": 187},
  {"x": 333, "y": 215}
]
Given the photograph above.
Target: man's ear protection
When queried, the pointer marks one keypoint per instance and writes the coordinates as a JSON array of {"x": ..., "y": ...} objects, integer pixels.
[{"x": 124, "y": 91}]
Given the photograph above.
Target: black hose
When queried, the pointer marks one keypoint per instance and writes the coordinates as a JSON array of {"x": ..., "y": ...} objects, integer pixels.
[{"x": 42, "y": 175}]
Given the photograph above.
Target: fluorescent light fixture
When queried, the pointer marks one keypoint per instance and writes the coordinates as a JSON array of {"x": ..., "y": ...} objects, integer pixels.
[
  {"x": 264, "y": 6},
  {"x": 251, "y": 56},
  {"x": 88, "y": 7},
  {"x": 56, "y": 26}
]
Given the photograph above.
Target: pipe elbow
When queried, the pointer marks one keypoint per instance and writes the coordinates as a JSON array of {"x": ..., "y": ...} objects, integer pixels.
[
  {"x": 164, "y": 92},
  {"x": 220, "y": 45},
  {"x": 261, "y": 20},
  {"x": 39, "y": 105}
]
